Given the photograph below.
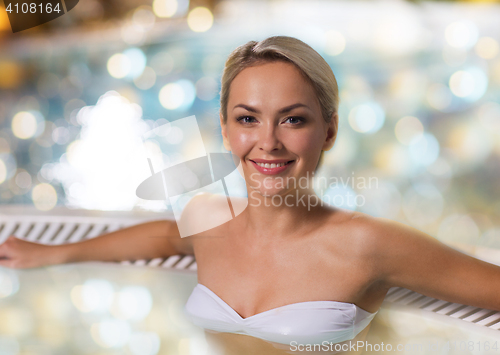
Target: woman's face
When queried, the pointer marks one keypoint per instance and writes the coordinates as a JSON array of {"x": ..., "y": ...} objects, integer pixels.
[{"x": 274, "y": 125}]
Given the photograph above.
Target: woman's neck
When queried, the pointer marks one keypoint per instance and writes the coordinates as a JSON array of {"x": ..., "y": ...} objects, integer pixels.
[{"x": 280, "y": 215}]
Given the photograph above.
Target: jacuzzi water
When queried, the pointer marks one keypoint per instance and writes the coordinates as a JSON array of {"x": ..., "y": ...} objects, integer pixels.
[{"x": 106, "y": 308}]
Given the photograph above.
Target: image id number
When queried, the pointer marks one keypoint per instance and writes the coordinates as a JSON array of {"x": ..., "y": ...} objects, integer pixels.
[{"x": 33, "y": 8}]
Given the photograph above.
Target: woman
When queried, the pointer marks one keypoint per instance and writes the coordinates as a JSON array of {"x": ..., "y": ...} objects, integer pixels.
[{"x": 295, "y": 270}]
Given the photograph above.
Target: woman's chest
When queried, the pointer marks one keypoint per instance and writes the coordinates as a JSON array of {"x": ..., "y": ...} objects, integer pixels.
[{"x": 252, "y": 280}]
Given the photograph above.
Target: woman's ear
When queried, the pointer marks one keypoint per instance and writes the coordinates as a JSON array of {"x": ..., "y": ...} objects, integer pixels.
[
  {"x": 223, "y": 127},
  {"x": 331, "y": 134}
]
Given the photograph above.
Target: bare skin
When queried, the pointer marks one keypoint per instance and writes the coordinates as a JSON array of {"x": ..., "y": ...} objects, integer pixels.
[
  {"x": 324, "y": 261},
  {"x": 274, "y": 255}
]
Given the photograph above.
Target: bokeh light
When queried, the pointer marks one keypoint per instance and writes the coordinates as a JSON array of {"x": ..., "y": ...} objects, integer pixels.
[
  {"x": 470, "y": 142},
  {"x": 143, "y": 18},
  {"x": 3, "y": 171},
  {"x": 470, "y": 84},
  {"x": 335, "y": 43},
  {"x": 130, "y": 63},
  {"x": 488, "y": 115},
  {"x": 107, "y": 161},
  {"x": 133, "y": 303},
  {"x": 44, "y": 197},
  {"x": 9, "y": 283},
  {"x": 461, "y": 34},
  {"x": 407, "y": 129},
  {"x": 11, "y": 75},
  {"x": 172, "y": 96},
  {"x": 367, "y": 118},
  {"x": 200, "y": 19},
  {"x": 487, "y": 48},
  {"x": 341, "y": 196},
  {"x": 398, "y": 35},
  {"x": 111, "y": 333},
  {"x": 24, "y": 125},
  {"x": 23, "y": 179},
  {"x": 424, "y": 149},
  {"x": 170, "y": 8},
  {"x": 8, "y": 166},
  {"x": 119, "y": 65},
  {"x": 17, "y": 322},
  {"x": 144, "y": 343},
  {"x": 137, "y": 61},
  {"x": 179, "y": 95},
  {"x": 94, "y": 295},
  {"x": 393, "y": 159}
]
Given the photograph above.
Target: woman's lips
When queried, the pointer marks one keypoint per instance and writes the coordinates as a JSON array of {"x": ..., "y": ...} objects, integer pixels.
[{"x": 268, "y": 170}]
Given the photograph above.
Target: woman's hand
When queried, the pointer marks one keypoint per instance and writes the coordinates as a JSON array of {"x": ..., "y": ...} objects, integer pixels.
[
  {"x": 156, "y": 239},
  {"x": 20, "y": 254}
]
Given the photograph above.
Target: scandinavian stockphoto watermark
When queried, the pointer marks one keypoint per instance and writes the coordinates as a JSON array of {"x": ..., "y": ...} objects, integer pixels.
[{"x": 334, "y": 191}]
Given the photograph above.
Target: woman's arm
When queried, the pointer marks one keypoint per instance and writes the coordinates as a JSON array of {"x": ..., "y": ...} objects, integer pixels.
[
  {"x": 144, "y": 241},
  {"x": 407, "y": 257}
]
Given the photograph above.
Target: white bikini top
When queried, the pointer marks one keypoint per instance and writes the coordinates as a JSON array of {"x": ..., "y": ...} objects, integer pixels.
[{"x": 305, "y": 322}]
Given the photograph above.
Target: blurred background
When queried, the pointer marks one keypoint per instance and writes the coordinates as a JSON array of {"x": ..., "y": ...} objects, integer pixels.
[
  {"x": 419, "y": 135},
  {"x": 418, "y": 142}
]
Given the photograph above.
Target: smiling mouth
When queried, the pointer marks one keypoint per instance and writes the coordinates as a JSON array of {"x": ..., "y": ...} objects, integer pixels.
[{"x": 272, "y": 165}]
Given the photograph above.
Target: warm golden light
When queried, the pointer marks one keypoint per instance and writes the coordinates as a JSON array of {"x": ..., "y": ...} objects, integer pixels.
[
  {"x": 200, "y": 19},
  {"x": 24, "y": 125},
  {"x": 165, "y": 8},
  {"x": 4, "y": 20},
  {"x": 44, "y": 197},
  {"x": 171, "y": 96},
  {"x": 487, "y": 48},
  {"x": 119, "y": 66},
  {"x": 11, "y": 74}
]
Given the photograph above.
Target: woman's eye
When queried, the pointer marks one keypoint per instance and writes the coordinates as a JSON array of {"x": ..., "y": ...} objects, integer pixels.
[
  {"x": 294, "y": 120},
  {"x": 246, "y": 119}
]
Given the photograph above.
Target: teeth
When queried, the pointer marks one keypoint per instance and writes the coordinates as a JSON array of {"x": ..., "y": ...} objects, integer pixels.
[{"x": 271, "y": 166}]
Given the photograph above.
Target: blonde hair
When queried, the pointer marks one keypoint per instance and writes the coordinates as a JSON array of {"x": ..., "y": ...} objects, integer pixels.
[{"x": 282, "y": 48}]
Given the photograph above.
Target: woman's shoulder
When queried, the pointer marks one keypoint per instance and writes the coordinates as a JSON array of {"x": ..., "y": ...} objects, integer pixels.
[
  {"x": 362, "y": 233},
  {"x": 208, "y": 212},
  {"x": 378, "y": 237}
]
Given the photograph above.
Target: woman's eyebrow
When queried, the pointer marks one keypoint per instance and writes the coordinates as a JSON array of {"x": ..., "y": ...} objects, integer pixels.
[
  {"x": 246, "y": 107},
  {"x": 283, "y": 110},
  {"x": 291, "y": 107}
]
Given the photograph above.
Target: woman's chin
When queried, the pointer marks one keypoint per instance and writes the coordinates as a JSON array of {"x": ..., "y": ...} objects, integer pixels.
[{"x": 277, "y": 193}]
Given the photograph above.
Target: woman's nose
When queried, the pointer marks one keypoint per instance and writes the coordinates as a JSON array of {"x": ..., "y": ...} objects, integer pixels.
[{"x": 268, "y": 139}]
